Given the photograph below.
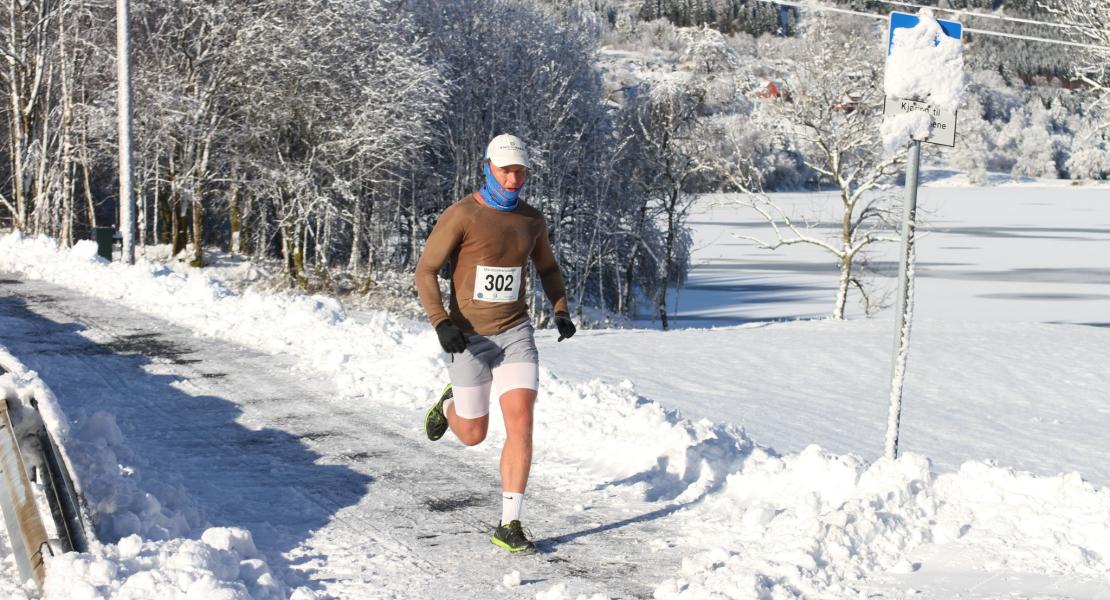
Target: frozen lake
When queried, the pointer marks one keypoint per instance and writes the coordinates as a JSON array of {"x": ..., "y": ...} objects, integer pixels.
[{"x": 1020, "y": 252}]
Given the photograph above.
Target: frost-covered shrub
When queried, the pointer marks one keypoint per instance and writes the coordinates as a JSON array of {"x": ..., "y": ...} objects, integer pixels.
[
  {"x": 748, "y": 148},
  {"x": 973, "y": 142},
  {"x": 660, "y": 33},
  {"x": 707, "y": 51},
  {"x": 1090, "y": 158},
  {"x": 1041, "y": 143},
  {"x": 1089, "y": 163},
  {"x": 1025, "y": 131}
]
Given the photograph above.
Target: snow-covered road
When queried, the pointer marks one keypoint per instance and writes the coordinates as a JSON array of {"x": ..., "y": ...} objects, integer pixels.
[{"x": 340, "y": 497}]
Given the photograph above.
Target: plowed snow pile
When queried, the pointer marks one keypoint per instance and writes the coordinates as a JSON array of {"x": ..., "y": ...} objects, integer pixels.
[{"x": 145, "y": 517}]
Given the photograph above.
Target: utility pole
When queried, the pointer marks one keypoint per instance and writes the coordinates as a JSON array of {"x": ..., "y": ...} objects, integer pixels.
[{"x": 126, "y": 194}]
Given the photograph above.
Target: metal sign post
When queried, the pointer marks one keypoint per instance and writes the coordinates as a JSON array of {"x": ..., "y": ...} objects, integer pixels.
[
  {"x": 942, "y": 132},
  {"x": 903, "y": 317}
]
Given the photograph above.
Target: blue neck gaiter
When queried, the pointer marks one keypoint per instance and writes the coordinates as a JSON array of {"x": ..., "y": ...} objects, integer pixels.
[{"x": 495, "y": 195}]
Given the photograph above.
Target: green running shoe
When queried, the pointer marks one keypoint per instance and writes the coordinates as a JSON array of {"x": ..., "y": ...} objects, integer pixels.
[
  {"x": 435, "y": 421},
  {"x": 512, "y": 538}
]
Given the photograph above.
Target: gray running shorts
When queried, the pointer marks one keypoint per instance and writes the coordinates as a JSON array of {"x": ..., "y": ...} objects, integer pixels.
[{"x": 508, "y": 360}]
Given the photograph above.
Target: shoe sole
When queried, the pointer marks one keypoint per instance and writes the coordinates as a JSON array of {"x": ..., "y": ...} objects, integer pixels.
[{"x": 523, "y": 551}]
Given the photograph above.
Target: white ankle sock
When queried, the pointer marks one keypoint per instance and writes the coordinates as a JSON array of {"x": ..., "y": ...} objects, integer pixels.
[
  {"x": 511, "y": 503},
  {"x": 447, "y": 404}
]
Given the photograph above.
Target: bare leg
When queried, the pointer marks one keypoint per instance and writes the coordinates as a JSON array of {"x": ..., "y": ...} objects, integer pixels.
[
  {"x": 516, "y": 457},
  {"x": 470, "y": 432}
]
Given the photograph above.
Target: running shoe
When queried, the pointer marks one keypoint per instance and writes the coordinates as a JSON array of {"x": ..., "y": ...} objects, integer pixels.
[
  {"x": 435, "y": 421},
  {"x": 512, "y": 538}
]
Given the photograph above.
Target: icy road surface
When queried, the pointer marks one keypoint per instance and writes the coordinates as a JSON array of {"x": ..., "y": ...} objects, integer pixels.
[{"x": 341, "y": 498}]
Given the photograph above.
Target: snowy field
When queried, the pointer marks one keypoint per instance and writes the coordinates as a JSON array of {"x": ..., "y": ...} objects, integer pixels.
[
  {"x": 255, "y": 445},
  {"x": 1000, "y": 272},
  {"x": 1013, "y": 252}
]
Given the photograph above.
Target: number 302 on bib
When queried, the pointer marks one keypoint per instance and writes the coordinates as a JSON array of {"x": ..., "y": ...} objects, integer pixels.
[{"x": 497, "y": 284}]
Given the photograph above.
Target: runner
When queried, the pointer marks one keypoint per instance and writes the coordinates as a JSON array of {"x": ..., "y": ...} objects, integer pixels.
[{"x": 488, "y": 237}]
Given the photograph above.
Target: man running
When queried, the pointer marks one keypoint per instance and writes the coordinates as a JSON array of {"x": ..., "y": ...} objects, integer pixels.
[{"x": 488, "y": 238}]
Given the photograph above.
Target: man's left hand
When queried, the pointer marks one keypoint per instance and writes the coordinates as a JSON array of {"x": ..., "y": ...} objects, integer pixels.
[{"x": 564, "y": 325}]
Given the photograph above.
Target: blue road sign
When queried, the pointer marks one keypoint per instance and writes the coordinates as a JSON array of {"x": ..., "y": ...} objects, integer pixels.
[{"x": 901, "y": 20}]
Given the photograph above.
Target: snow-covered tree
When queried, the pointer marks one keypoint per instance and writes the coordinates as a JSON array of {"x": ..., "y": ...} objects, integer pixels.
[
  {"x": 531, "y": 72},
  {"x": 832, "y": 111},
  {"x": 708, "y": 52},
  {"x": 1090, "y": 154},
  {"x": 1038, "y": 146},
  {"x": 341, "y": 97},
  {"x": 186, "y": 71},
  {"x": 663, "y": 119},
  {"x": 1091, "y": 25},
  {"x": 989, "y": 102}
]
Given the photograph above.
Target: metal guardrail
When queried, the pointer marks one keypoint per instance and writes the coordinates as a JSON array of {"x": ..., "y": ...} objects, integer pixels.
[
  {"x": 61, "y": 494},
  {"x": 26, "y": 532},
  {"x": 30, "y": 462}
]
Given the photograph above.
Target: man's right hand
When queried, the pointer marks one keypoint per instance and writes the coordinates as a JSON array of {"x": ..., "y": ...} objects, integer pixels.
[{"x": 451, "y": 337}]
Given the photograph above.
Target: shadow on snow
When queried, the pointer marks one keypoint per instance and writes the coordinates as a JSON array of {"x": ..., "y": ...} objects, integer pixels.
[
  {"x": 705, "y": 467},
  {"x": 274, "y": 486}
]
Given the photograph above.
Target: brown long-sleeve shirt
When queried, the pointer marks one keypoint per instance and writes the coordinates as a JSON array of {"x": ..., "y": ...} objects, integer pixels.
[{"x": 489, "y": 250}]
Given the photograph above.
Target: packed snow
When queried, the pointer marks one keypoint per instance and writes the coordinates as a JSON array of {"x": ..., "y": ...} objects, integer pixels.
[
  {"x": 926, "y": 65},
  {"x": 899, "y": 129},
  {"x": 708, "y": 436}
]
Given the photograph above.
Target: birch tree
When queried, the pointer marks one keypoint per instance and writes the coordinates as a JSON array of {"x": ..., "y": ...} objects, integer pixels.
[
  {"x": 342, "y": 96},
  {"x": 31, "y": 59},
  {"x": 330, "y": 133},
  {"x": 530, "y": 71},
  {"x": 832, "y": 114},
  {"x": 47, "y": 49}
]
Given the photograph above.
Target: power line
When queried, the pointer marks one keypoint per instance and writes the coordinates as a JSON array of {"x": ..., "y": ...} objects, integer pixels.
[
  {"x": 1030, "y": 38},
  {"x": 984, "y": 15},
  {"x": 1033, "y": 38}
]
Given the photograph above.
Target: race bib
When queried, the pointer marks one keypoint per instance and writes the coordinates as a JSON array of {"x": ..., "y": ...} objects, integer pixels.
[{"x": 497, "y": 284}]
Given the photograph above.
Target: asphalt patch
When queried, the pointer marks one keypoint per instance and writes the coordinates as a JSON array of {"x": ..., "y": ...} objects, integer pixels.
[
  {"x": 452, "y": 504},
  {"x": 151, "y": 345}
]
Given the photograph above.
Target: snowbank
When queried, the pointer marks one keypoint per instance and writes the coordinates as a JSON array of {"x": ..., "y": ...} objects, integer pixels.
[
  {"x": 149, "y": 518},
  {"x": 222, "y": 565},
  {"x": 815, "y": 524},
  {"x": 119, "y": 500}
]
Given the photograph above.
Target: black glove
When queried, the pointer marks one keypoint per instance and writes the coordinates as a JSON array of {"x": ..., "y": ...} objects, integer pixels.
[
  {"x": 564, "y": 325},
  {"x": 450, "y": 337}
]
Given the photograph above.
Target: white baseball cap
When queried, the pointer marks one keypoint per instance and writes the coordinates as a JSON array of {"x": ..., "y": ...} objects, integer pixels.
[{"x": 505, "y": 150}]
